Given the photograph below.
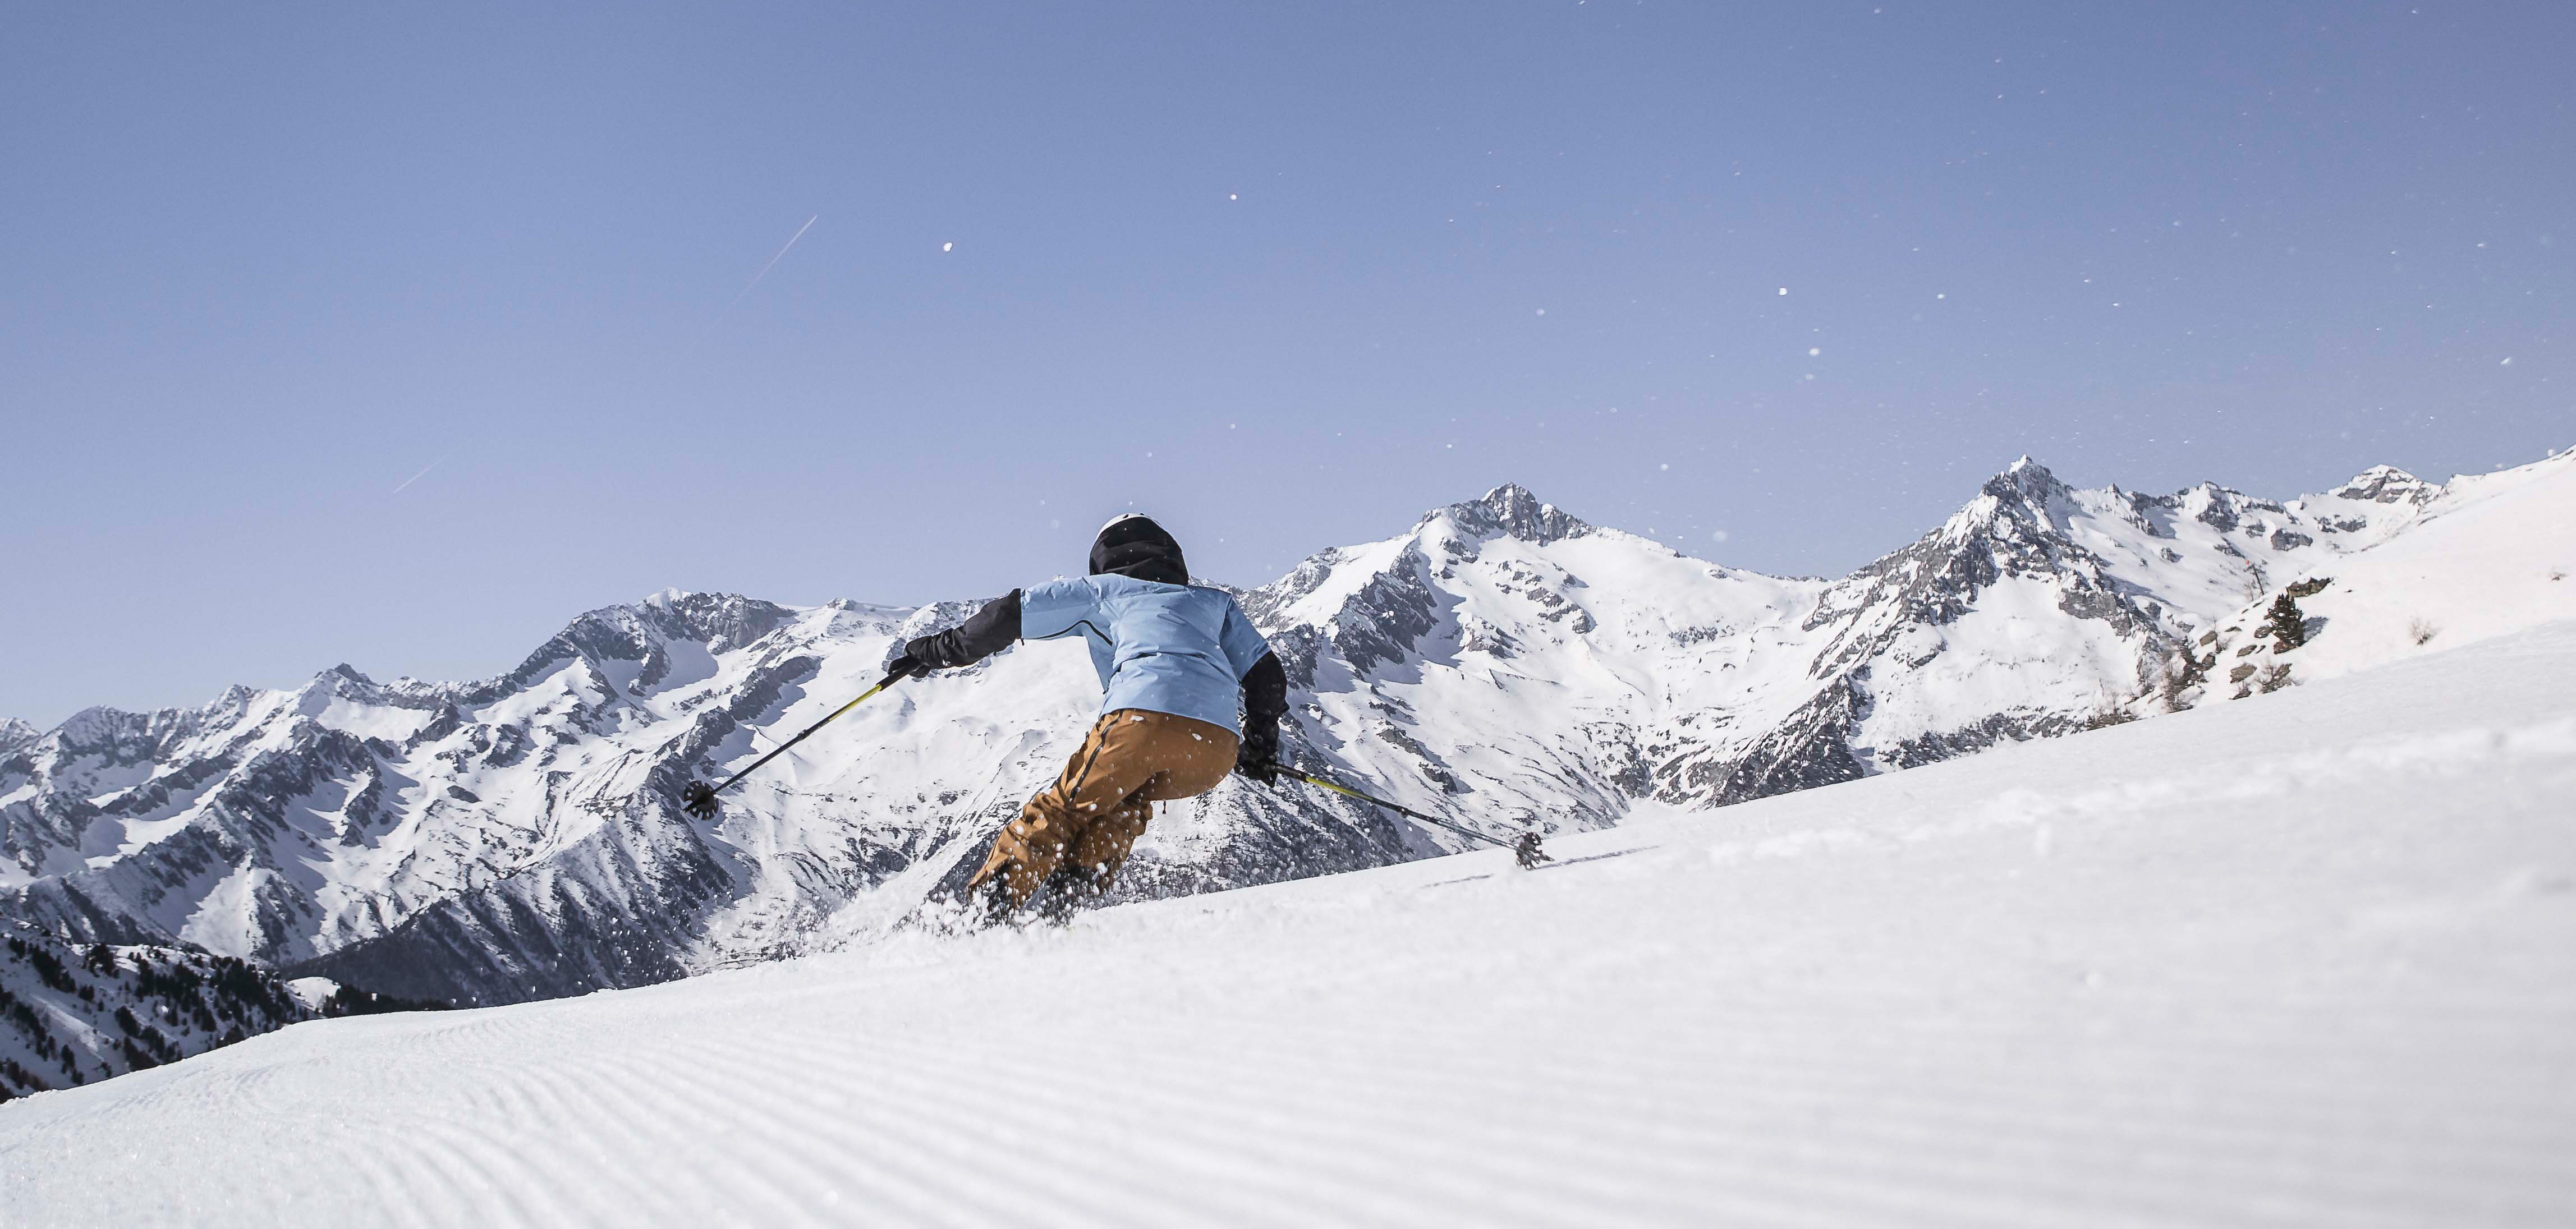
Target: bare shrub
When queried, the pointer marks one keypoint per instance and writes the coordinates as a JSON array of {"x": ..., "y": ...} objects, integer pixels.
[
  {"x": 2181, "y": 673},
  {"x": 2420, "y": 631}
]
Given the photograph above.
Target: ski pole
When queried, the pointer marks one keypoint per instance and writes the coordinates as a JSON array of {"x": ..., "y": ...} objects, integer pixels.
[
  {"x": 1525, "y": 849},
  {"x": 699, "y": 798}
]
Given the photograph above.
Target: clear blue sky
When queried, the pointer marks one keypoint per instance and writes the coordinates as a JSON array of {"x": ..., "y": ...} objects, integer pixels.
[{"x": 1284, "y": 275}]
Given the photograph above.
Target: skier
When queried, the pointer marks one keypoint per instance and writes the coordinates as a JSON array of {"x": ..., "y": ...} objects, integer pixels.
[{"x": 1173, "y": 658}]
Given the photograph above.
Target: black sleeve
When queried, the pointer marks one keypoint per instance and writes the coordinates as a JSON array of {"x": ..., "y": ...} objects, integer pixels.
[
  {"x": 1265, "y": 701},
  {"x": 984, "y": 633}
]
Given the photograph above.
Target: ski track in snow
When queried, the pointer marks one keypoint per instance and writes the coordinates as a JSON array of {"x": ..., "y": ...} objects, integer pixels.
[{"x": 2309, "y": 960}]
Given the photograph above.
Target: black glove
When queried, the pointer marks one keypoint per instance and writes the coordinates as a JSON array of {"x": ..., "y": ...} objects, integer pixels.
[
  {"x": 923, "y": 654},
  {"x": 1258, "y": 756},
  {"x": 919, "y": 656}
]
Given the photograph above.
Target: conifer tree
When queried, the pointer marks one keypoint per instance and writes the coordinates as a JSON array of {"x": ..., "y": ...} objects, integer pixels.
[{"x": 2286, "y": 624}]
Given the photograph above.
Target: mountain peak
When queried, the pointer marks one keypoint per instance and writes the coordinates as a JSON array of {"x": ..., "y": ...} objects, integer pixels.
[
  {"x": 2386, "y": 484},
  {"x": 2025, "y": 482},
  {"x": 92, "y": 726},
  {"x": 343, "y": 681},
  {"x": 2027, "y": 473},
  {"x": 625, "y": 632},
  {"x": 1511, "y": 509}
]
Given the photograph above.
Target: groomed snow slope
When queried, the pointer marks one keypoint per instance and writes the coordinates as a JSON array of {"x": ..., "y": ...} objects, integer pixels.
[{"x": 2304, "y": 960}]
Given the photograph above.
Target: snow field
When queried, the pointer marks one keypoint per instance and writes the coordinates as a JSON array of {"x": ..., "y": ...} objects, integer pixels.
[
  {"x": 2310, "y": 960},
  {"x": 2499, "y": 556}
]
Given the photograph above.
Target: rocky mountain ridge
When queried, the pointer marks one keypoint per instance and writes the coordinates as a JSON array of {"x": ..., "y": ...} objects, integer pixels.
[{"x": 1502, "y": 662}]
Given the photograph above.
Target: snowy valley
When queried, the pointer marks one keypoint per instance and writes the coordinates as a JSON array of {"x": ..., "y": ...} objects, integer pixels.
[{"x": 1501, "y": 663}]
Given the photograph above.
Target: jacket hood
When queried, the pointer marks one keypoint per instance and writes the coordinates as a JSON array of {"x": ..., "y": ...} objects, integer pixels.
[{"x": 1134, "y": 546}]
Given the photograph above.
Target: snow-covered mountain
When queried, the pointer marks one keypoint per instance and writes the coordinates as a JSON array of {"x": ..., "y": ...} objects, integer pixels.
[
  {"x": 2303, "y": 962},
  {"x": 2491, "y": 556},
  {"x": 1501, "y": 662}
]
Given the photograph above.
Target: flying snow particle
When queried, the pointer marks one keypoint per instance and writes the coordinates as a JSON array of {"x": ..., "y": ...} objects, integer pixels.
[
  {"x": 1813, "y": 351},
  {"x": 1232, "y": 197},
  {"x": 1717, "y": 535},
  {"x": 1665, "y": 465},
  {"x": 1941, "y": 296},
  {"x": 945, "y": 246},
  {"x": 1784, "y": 290},
  {"x": 2508, "y": 361},
  {"x": 1542, "y": 311}
]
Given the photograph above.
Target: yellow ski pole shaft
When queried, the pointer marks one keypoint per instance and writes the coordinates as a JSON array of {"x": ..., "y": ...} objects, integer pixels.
[{"x": 708, "y": 794}]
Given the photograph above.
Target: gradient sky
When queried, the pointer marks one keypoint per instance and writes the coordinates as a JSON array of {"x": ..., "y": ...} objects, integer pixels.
[{"x": 331, "y": 333}]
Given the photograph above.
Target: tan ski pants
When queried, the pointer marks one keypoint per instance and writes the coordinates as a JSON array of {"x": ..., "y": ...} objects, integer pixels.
[{"x": 1098, "y": 806}]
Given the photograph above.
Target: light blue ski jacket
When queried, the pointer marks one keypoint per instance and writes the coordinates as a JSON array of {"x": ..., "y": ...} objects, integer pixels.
[{"x": 1176, "y": 649}]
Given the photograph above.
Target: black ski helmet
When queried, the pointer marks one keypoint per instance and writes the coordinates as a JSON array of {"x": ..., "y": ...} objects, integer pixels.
[{"x": 1133, "y": 545}]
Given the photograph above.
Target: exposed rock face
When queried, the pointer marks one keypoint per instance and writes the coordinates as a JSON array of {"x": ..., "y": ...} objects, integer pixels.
[
  {"x": 1501, "y": 662},
  {"x": 15, "y": 734},
  {"x": 2387, "y": 484}
]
